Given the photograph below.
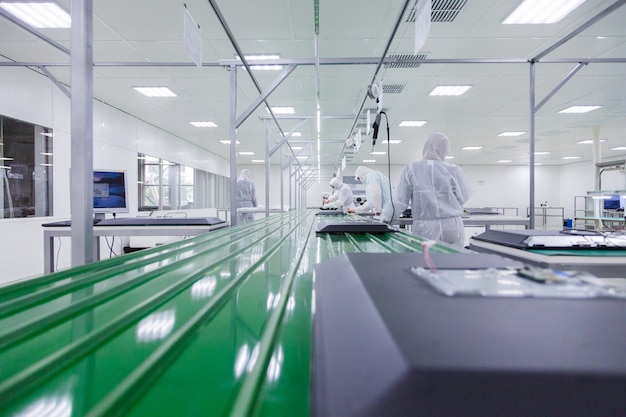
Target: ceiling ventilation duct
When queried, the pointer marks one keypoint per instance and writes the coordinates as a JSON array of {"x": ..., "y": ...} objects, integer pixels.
[
  {"x": 405, "y": 61},
  {"x": 393, "y": 88},
  {"x": 443, "y": 11}
]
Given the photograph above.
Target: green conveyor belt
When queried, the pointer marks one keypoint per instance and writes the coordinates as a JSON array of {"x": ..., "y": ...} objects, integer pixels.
[{"x": 215, "y": 325}]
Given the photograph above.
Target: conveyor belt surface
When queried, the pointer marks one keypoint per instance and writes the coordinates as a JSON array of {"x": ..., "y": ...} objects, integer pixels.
[{"x": 218, "y": 324}]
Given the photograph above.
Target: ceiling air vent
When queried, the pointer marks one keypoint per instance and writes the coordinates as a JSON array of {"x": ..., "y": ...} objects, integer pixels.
[
  {"x": 405, "y": 61},
  {"x": 393, "y": 88},
  {"x": 443, "y": 11}
]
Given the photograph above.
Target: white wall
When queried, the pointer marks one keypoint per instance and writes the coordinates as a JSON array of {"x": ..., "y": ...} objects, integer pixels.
[{"x": 118, "y": 138}]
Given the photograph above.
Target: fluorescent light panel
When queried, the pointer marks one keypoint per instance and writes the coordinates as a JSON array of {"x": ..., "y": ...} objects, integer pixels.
[
  {"x": 378, "y": 153},
  {"x": 246, "y": 153},
  {"x": 588, "y": 141},
  {"x": 284, "y": 110},
  {"x": 203, "y": 124},
  {"x": 541, "y": 11},
  {"x": 571, "y": 157},
  {"x": 42, "y": 15},
  {"x": 449, "y": 157},
  {"x": 504, "y": 161},
  {"x": 227, "y": 142},
  {"x": 257, "y": 161},
  {"x": 265, "y": 67},
  {"x": 450, "y": 90},
  {"x": 262, "y": 57},
  {"x": 155, "y": 91},
  {"x": 471, "y": 148},
  {"x": 542, "y": 153},
  {"x": 579, "y": 109},
  {"x": 618, "y": 148},
  {"x": 369, "y": 161},
  {"x": 392, "y": 141},
  {"x": 512, "y": 133},
  {"x": 294, "y": 134},
  {"x": 412, "y": 123}
]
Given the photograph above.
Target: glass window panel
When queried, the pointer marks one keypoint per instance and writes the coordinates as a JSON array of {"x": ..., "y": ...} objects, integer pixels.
[{"x": 26, "y": 168}]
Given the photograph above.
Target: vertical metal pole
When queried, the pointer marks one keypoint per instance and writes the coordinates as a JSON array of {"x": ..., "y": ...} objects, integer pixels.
[
  {"x": 81, "y": 182},
  {"x": 291, "y": 205},
  {"x": 282, "y": 180},
  {"x": 233, "y": 145},
  {"x": 532, "y": 146},
  {"x": 267, "y": 168}
]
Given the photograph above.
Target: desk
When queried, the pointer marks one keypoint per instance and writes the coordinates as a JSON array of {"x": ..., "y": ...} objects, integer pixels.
[
  {"x": 486, "y": 220},
  {"x": 49, "y": 233}
]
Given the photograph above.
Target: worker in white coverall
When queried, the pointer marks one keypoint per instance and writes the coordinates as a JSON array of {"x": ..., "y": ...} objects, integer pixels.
[
  {"x": 377, "y": 190},
  {"x": 342, "y": 196},
  {"x": 436, "y": 192}
]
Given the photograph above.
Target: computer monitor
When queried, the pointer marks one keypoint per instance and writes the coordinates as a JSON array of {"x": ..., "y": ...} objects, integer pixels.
[
  {"x": 612, "y": 203},
  {"x": 110, "y": 192}
]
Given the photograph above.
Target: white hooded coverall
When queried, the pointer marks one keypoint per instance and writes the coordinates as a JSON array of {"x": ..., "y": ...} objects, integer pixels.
[
  {"x": 342, "y": 197},
  {"x": 436, "y": 192},
  {"x": 377, "y": 190}
]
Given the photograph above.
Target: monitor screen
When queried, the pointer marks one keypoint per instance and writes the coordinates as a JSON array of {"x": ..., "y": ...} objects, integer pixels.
[
  {"x": 612, "y": 203},
  {"x": 110, "y": 194}
]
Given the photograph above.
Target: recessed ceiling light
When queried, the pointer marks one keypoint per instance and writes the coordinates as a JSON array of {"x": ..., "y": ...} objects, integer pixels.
[
  {"x": 43, "y": 15},
  {"x": 265, "y": 67},
  {"x": 297, "y": 148},
  {"x": 203, "y": 124},
  {"x": 227, "y": 142},
  {"x": 579, "y": 109},
  {"x": 155, "y": 91},
  {"x": 294, "y": 134},
  {"x": 378, "y": 153},
  {"x": 618, "y": 148},
  {"x": 471, "y": 148},
  {"x": 542, "y": 153},
  {"x": 369, "y": 161},
  {"x": 264, "y": 57},
  {"x": 392, "y": 141},
  {"x": 571, "y": 157},
  {"x": 450, "y": 90},
  {"x": 588, "y": 141},
  {"x": 449, "y": 157},
  {"x": 504, "y": 161},
  {"x": 257, "y": 161},
  {"x": 284, "y": 110},
  {"x": 541, "y": 11},
  {"x": 412, "y": 123},
  {"x": 246, "y": 153},
  {"x": 511, "y": 133}
]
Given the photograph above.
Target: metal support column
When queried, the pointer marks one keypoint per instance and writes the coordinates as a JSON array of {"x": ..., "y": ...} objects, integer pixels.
[
  {"x": 81, "y": 183},
  {"x": 531, "y": 199},
  {"x": 267, "y": 168},
  {"x": 233, "y": 145}
]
